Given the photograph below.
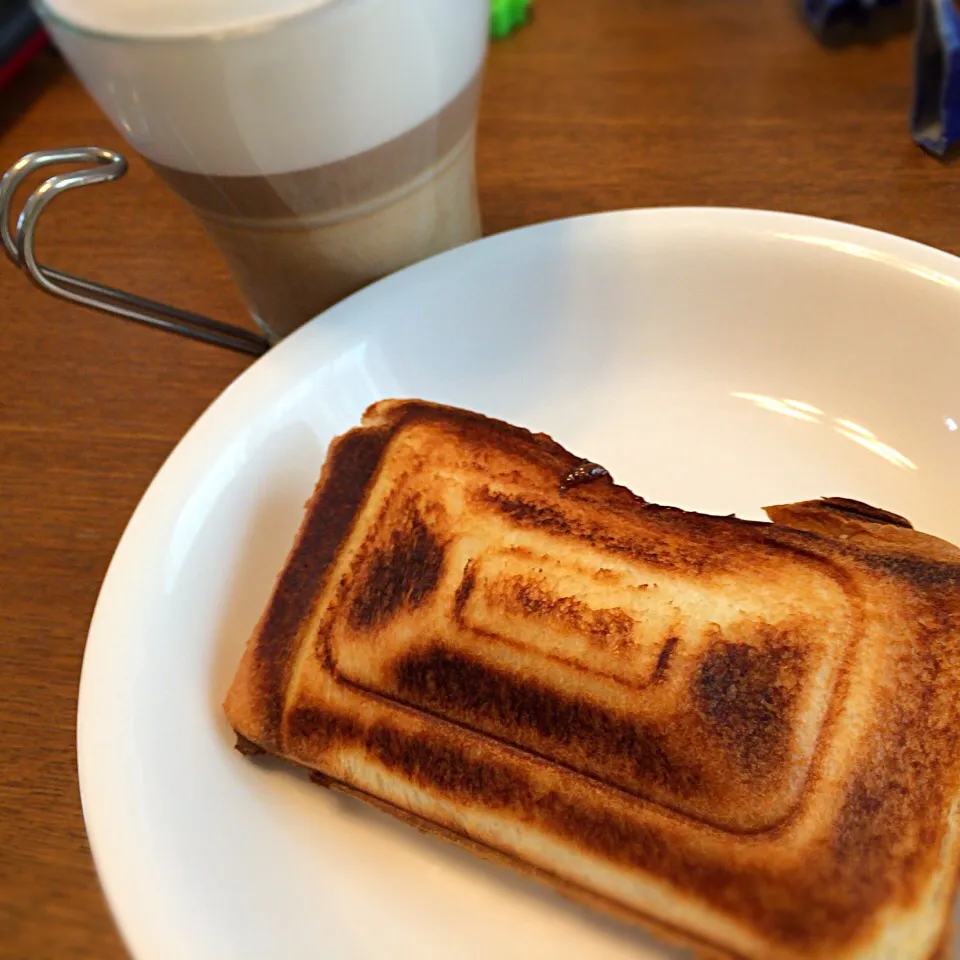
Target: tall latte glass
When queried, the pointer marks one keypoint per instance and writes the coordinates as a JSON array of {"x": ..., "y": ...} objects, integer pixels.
[{"x": 322, "y": 143}]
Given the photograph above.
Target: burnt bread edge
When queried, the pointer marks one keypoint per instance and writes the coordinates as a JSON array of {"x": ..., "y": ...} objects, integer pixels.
[
  {"x": 573, "y": 892},
  {"x": 254, "y": 704},
  {"x": 883, "y": 542}
]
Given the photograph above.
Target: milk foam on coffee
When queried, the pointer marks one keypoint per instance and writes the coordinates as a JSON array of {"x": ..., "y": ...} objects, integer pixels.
[
  {"x": 323, "y": 144},
  {"x": 174, "y": 18}
]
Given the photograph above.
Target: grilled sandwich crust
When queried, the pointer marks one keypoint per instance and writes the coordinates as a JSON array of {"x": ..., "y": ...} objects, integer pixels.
[{"x": 739, "y": 734}]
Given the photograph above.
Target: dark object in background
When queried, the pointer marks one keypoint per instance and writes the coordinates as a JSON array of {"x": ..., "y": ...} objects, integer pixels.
[
  {"x": 838, "y": 23},
  {"x": 21, "y": 38},
  {"x": 935, "y": 118}
]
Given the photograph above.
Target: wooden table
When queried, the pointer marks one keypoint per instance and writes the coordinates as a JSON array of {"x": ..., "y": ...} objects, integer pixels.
[{"x": 599, "y": 104}]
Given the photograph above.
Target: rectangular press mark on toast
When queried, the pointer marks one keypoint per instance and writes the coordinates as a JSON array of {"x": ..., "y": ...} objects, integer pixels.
[{"x": 687, "y": 688}]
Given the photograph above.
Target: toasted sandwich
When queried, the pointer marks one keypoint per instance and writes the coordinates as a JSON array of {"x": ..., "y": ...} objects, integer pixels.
[{"x": 741, "y": 735}]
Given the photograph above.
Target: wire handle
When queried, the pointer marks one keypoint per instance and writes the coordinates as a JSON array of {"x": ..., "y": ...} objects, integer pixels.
[{"x": 19, "y": 247}]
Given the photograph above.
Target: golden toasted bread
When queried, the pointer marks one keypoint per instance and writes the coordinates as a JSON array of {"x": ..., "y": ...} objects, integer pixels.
[{"x": 741, "y": 735}]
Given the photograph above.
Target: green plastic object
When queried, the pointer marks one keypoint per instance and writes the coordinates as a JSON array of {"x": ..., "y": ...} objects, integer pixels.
[{"x": 507, "y": 15}]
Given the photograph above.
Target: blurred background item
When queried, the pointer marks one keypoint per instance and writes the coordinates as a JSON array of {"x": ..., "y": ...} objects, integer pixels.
[
  {"x": 507, "y": 16},
  {"x": 21, "y": 38},
  {"x": 935, "y": 120},
  {"x": 842, "y": 22}
]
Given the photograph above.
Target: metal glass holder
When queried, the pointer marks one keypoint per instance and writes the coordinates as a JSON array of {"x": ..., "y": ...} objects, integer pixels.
[{"x": 99, "y": 166}]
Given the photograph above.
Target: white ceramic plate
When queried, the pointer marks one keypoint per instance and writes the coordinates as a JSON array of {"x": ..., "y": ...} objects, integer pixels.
[{"x": 712, "y": 359}]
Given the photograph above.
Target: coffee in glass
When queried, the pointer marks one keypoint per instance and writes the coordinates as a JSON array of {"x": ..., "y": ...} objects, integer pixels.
[{"x": 322, "y": 143}]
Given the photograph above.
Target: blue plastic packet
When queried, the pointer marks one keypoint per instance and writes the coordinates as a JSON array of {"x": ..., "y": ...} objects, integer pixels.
[{"x": 935, "y": 118}]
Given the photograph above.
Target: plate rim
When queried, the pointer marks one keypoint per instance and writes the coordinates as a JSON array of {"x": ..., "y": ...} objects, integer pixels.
[{"x": 140, "y": 932}]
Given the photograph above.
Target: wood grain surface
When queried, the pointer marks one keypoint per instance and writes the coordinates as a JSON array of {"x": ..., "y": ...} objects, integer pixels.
[{"x": 597, "y": 105}]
